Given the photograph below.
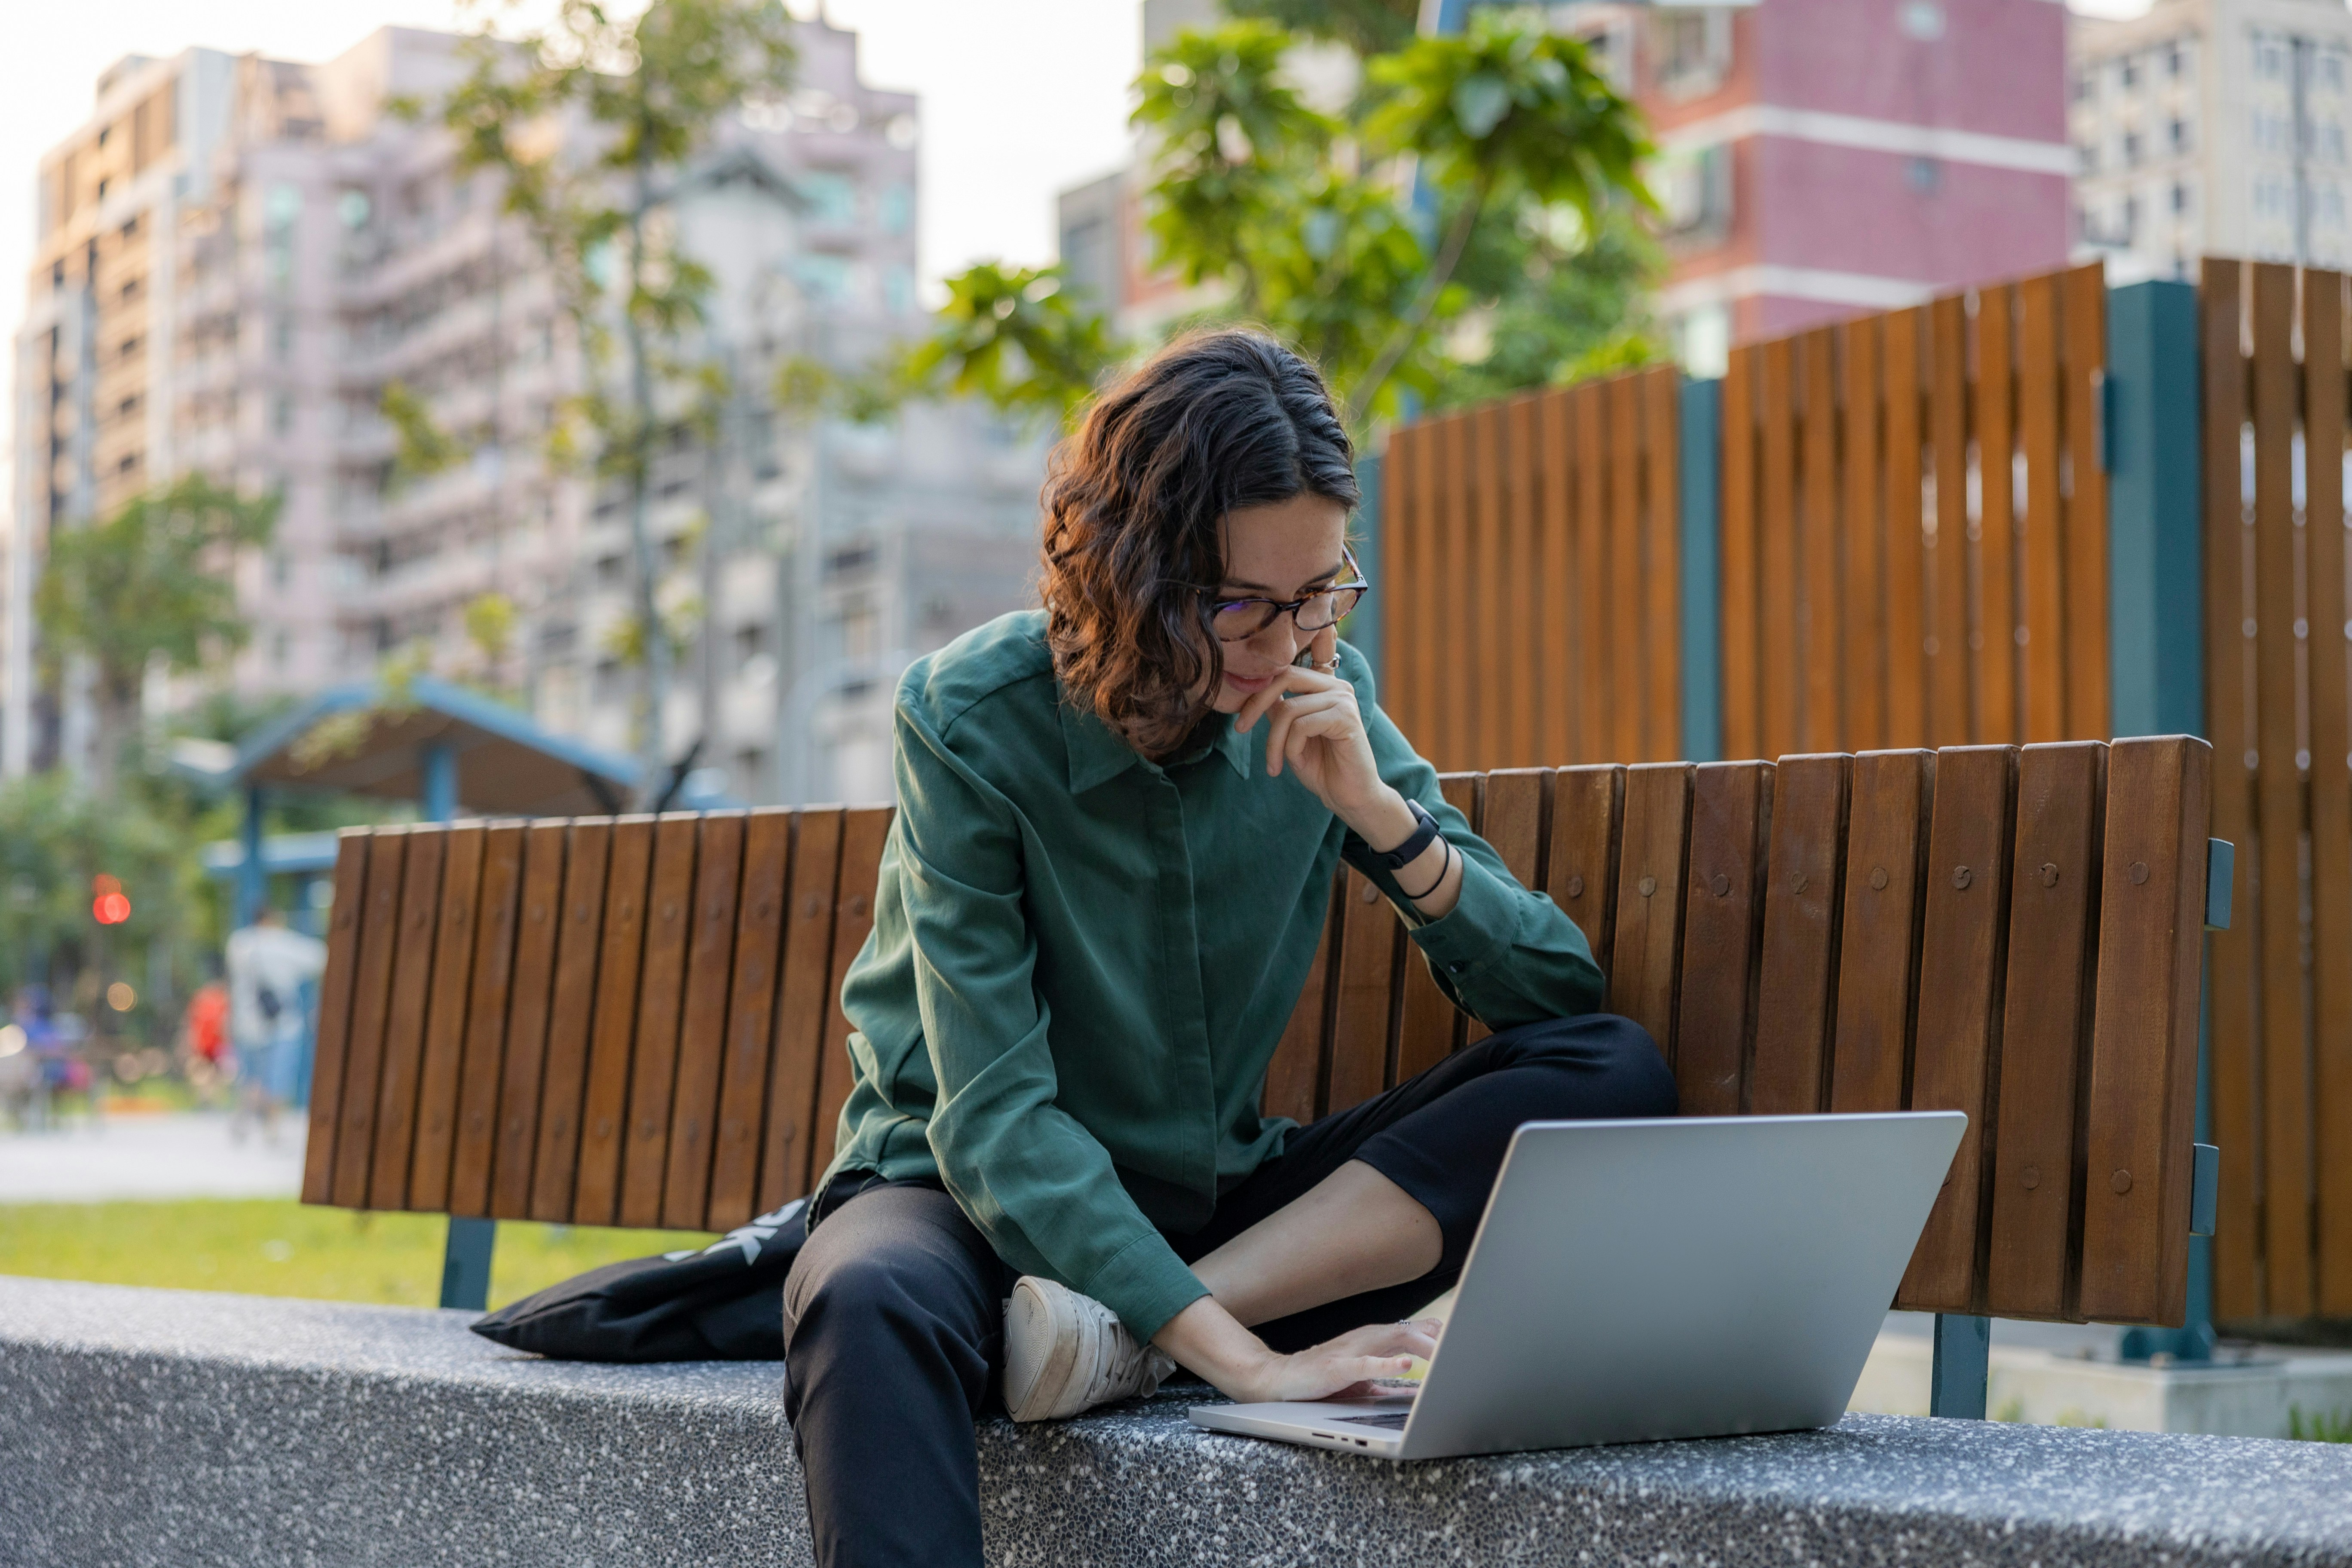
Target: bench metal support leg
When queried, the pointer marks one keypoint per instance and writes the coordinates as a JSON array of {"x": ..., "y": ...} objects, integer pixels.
[
  {"x": 1963, "y": 1363},
  {"x": 465, "y": 1263}
]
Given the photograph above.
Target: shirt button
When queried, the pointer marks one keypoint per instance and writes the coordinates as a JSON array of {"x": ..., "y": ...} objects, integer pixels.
[{"x": 1457, "y": 968}]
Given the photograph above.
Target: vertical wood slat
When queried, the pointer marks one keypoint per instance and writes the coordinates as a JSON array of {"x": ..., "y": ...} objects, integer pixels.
[
  {"x": 1294, "y": 1075},
  {"x": 1796, "y": 1001},
  {"x": 1906, "y": 561},
  {"x": 2042, "y": 610},
  {"x": 403, "y": 1030},
  {"x": 1661, "y": 567},
  {"x": 1779, "y": 581},
  {"x": 2331, "y": 788},
  {"x": 1878, "y": 959},
  {"x": 335, "y": 987},
  {"x": 1864, "y": 502},
  {"x": 1494, "y": 668},
  {"x": 1428, "y": 1025},
  {"x": 1956, "y": 1053},
  {"x": 1730, "y": 835},
  {"x": 863, "y": 831},
  {"x": 1403, "y": 475},
  {"x": 1588, "y": 808},
  {"x": 1454, "y": 722},
  {"x": 1739, "y": 562},
  {"x": 750, "y": 1019},
  {"x": 371, "y": 1009},
  {"x": 702, "y": 1021},
  {"x": 540, "y": 916},
  {"x": 451, "y": 938},
  {"x": 1996, "y": 641},
  {"x": 2142, "y": 1085},
  {"x": 604, "y": 1098},
  {"x": 661, "y": 992},
  {"x": 1560, "y": 736},
  {"x": 1511, "y": 821},
  {"x": 2278, "y": 801},
  {"x": 2084, "y": 348},
  {"x": 788, "y": 1149},
  {"x": 1363, "y": 1016},
  {"x": 1522, "y": 567},
  {"x": 483, "y": 1066},
  {"x": 1598, "y": 632},
  {"x": 1645, "y": 964},
  {"x": 579, "y": 991},
  {"x": 1821, "y": 659},
  {"x": 2236, "y": 1288},
  {"x": 1951, "y": 709},
  {"x": 2037, "y": 1189}
]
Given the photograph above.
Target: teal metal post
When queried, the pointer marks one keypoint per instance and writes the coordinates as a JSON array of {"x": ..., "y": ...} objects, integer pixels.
[
  {"x": 1364, "y": 626},
  {"x": 1955, "y": 1386},
  {"x": 465, "y": 1255},
  {"x": 252, "y": 877},
  {"x": 1699, "y": 481},
  {"x": 2156, "y": 618}
]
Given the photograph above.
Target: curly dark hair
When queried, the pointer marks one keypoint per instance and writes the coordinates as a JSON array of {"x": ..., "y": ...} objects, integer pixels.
[{"x": 1214, "y": 422}]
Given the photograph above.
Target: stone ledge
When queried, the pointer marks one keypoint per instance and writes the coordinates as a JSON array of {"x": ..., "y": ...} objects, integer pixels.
[{"x": 166, "y": 1427}]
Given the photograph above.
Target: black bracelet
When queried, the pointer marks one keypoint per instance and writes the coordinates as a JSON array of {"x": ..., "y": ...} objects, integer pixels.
[
  {"x": 1405, "y": 854},
  {"x": 1446, "y": 864}
]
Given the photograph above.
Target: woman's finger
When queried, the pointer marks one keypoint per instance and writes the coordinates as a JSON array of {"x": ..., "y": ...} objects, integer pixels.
[
  {"x": 1324, "y": 647},
  {"x": 1312, "y": 716}
]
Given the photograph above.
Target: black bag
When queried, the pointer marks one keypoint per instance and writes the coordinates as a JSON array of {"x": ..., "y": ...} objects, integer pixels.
[{"x": 722, "y": 1303}]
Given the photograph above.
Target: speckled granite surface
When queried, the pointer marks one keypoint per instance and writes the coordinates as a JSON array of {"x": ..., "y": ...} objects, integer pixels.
[{"x": 146, "y": 1427}]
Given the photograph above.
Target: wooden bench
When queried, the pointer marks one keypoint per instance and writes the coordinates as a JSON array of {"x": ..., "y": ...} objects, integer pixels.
[{"x": 635, "y": 1020}]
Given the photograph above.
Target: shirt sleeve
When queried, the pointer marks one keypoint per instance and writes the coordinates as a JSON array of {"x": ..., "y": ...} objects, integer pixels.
[
  {"x": 1505, "y": 955},
  {"x": 1040, "y": 1186}
]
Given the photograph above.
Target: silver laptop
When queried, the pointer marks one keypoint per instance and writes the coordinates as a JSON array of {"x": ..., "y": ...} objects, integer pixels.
[{"x": 1632, "y": 1281}]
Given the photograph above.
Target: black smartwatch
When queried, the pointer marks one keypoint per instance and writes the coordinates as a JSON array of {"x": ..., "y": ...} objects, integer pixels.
[{"x": 1424, "y": 832}]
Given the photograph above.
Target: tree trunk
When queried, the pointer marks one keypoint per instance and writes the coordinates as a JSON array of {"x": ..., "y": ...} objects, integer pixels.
[{"x": 652, "y": 752}]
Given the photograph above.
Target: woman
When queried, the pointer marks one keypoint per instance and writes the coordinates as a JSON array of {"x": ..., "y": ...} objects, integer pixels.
[{"x": 1119, "y": 824}]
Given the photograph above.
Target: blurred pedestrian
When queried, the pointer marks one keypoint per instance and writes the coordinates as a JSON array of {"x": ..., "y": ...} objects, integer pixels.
[
  {"x": 268, "y": 966},
  {"x": 203, "y": 1038}
]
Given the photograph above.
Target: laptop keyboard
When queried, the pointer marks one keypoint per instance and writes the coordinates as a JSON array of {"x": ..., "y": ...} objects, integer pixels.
[{"x": 1393, "y": 1420}]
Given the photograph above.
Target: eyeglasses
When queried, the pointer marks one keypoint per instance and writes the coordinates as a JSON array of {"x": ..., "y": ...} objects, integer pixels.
[{"x": 1235, "y": 620}]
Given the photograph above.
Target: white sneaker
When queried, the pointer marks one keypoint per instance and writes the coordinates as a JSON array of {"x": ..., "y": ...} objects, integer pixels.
[{"x": 1065, "y": 1353}]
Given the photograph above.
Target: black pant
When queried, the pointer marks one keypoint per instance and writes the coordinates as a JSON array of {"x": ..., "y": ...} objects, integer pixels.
[{"x": 894, "y": 1318}]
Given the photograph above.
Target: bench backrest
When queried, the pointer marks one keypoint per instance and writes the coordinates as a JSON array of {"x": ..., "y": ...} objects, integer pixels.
[{"x": 635, "y": 1020}]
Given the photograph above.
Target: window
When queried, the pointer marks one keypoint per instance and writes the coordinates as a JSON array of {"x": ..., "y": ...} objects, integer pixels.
[
  {"x": 2082, "y": 87},
  {"x": 2131, "y": 149},
  {"x": 2129, "y": 72},
  {"x": 2175, "y": 61},
  {"x": 823, "y": 279},
  {"x": 2179, "y": 197},
  {"x": 611, "y": 572},
  {"x": 281, "y": 414},
  {"x": 1923, "y": 174},
  {"x": 2180, "y": 136},
  {"x": 2087, "y": 154},
  {"x": 281, "y": 338},
  {"x": 832, "y": 195},
  {"x": 2131, "y": 219},
  {"x": 895, "y": 211}
]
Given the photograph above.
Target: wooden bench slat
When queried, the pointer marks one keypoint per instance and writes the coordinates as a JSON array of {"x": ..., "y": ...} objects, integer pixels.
[
  {"x": 702, "y": 1022},
  {"x": 789, "y": 1145},
  {"x": 1294, "y": 1076},
  {"x": 1644, "y": 968},
  {"x": 1995, "y": 537},
  {"x": 2037, "y": 1191},
  {"x": 2142, "y": 1085},
  {"x": 1593, "y": 643},
  {"x": 2331, "y": 790},
  {"x": 1730, "y": 835},
  {"x": 403, "y": 1030},
  {"x": 604, "y": 1095},
  {"x": 1512, "y": 822},
  {"x": 351, "y": 855},
  {"x": 1906, "y": 571},
  {"x": 572, "y": 1019},
  {"x": 1822, "y": 700},
  {"x": 483, "y": 1062},
  {"x": 1796, "y": 986},
  {"x": 1948, "y": 660},
  {"x": 1588, "y": 814},
  {"x": 1427, "y": 1025},
  {"x": 1780, "y": 588},
  {"x": 1363, "y": 1034},
  {"x": 1955, "y": 1053},
  {"x": 863, "y": 832},
  {"x": 661, "y": 994},
  {"x": 539, "y": 917},
  {"x": 1878, "y": 958},
  {"x": 1661, "y": 569},
  {"x": 1627, "y": 641},
  {"x": 452, "y": 939},
  {"x": 1864, "y": 520},
  {"x": 750, "y": 1019}
]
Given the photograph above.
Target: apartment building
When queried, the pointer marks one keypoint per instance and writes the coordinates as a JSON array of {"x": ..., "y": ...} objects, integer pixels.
[
  {"x": 239, "y": 256},
  {"x": 2212, "y": 125}
]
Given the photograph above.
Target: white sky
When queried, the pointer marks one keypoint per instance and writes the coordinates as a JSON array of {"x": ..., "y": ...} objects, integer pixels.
[{"x": 1021, "y": 98}]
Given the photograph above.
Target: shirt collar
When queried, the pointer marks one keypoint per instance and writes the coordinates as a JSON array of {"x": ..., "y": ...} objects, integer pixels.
[{"x": 1097, "y": 755}]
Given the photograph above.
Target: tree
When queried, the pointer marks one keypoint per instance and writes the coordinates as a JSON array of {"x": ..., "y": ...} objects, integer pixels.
[
  {"x": 592, "y": 124},
  {"x": 1365, "y": 27},
  {"x": 150, "y": 585}
]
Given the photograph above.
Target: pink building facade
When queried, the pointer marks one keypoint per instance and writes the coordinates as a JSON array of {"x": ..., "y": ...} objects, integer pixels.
[{"x": 1822, "y": 158}]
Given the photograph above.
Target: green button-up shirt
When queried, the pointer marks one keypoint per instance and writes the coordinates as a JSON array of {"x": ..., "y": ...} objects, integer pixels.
[{"x": 1082, "y": 961}]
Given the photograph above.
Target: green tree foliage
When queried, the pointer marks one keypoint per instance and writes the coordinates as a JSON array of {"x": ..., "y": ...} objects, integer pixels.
[
  {"x": 150, "y": 585},
  {"x": 1562, "y": 307},
  {"x": 1011, "y": 336},
  {"x": 590, "y": 124},
  {"x": 1365, "y": 27}
]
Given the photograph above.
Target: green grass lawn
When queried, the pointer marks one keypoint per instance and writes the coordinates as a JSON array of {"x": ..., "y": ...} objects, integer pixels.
[{"x": 278, "y": 1248}]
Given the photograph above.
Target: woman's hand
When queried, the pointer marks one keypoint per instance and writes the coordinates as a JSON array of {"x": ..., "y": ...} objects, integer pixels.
[
  {"x": 1207, "y": 1339},
  {"x": 1316, "y": 729}
]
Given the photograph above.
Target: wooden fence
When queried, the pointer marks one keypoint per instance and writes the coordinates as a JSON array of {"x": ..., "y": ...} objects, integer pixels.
[
  {"x": 1913, "y": 527},
  {"x": 2280, "y": 983},
  {"x": 1531, "y": 578}
]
